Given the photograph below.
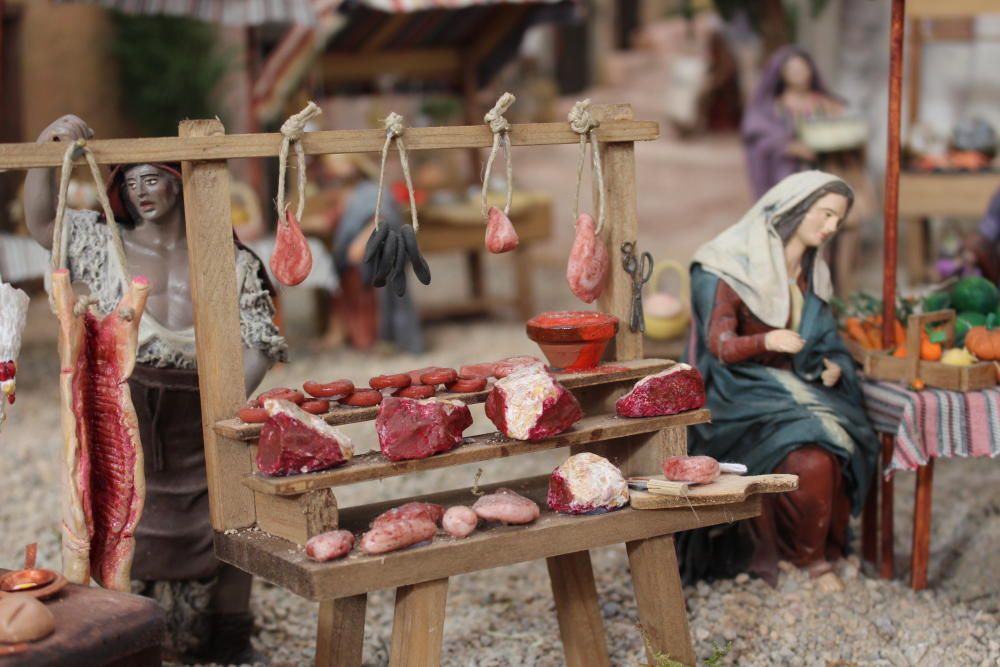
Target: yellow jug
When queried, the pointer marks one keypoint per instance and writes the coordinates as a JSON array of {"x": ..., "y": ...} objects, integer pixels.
[{"x": 667, "y": 316}]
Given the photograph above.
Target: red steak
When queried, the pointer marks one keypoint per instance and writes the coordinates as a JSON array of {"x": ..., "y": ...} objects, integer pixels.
[
  {"x": 678, "y": 389},
  {"x": 104, "y": 486},
  {"x": 294, "y": 441},
  {"x": 408, "y": 428},
  {"x": 586, "y": 483},
  {"x": 530, "y": 404}
]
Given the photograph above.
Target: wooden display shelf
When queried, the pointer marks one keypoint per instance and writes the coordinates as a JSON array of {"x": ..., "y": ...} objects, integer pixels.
[
  {"x": 373, "y": 466},
  {"x": 285, "y": 563},
  {"x": 727, "y": 489},
  {"x": 622, "y": 371}
]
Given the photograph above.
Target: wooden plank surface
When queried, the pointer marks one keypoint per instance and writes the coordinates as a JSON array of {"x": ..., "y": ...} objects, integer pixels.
[
  {"x": 192, "y": 148},
  {"x": 725, "y": 490},
  {"x": 951, "y": 8},
  {"x": 372, "y": 465},
  {"x": 958, "y": 195},
  {"x": 212, "y": 259},
  {"x": 580, "y": 625},
  {"x": 340, "y": 634},
  {"x": 340, "y": 414},
  {"x": 418, "y": 624},
  {"x": 286, "y": 564},
  {"x": 660, "y": 598}
]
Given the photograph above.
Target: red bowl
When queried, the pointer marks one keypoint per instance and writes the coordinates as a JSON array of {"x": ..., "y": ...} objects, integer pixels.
[{"x": 572, "y": 340}]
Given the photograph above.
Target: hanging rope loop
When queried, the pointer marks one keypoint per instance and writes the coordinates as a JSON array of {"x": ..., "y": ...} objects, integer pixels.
[
  {"x": 581, "y": 122},
  {"x": 501, "y": 134},
  {"x": 394, "y": 129},
  {"x": 292, "y": 131}
]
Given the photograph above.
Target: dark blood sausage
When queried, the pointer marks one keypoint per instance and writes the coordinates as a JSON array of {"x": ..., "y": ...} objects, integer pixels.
[
  {"x": 417, "y": 391},
  {"x": 362, "y": 398},
  {"x": 439, "y": 376},
  {"x": 281, "y": 394},
  {"x": 691, "y": 469},
  {"x": 397, "y": 381},
  {"x": 466, "y": 384},
  {"x": 316, "y": 406},
  {"x": 335, "y": 389},
  {"x": 253, "y": 414}
]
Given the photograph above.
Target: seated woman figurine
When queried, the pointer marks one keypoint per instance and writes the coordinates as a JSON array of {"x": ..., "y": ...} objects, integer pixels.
[{"x": 780, "y": 383}]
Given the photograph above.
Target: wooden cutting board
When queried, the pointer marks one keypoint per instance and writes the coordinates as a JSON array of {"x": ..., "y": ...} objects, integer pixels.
[{"x": 727, "y": 489}]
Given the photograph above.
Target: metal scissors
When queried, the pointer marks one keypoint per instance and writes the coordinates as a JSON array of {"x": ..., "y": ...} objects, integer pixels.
[{"x": 639, "y": 269}]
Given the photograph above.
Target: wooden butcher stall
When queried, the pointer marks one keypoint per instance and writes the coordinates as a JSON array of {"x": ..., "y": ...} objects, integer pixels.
[{"x": 261, "y": 522}]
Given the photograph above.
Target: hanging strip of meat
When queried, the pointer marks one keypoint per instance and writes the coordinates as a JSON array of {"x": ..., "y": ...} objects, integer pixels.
[{"x": 103, "y": 483}]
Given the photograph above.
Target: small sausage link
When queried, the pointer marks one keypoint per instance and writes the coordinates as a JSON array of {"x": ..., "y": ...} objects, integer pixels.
[
  {"x": 397, "y": 381},
  {"x": 252, "y": 414},
  {"x": 362, "y": 398},
  {"x": 316, "y": 406},
  {"x": 335, "y": 389},
  {"x": 417, "y": 391},
  {"x": 331, "y": 545},
  {"x": 439, "y": 376},
  {"x": 282, "y": 394}
]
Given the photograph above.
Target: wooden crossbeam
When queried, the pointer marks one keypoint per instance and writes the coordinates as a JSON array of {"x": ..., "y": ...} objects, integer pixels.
[{"x": 225, "y": 147}]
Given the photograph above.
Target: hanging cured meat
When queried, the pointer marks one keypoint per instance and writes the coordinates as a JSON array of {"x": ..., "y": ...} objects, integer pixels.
[
  {"x": 104, "y": 486},
  {"x": 292, "y": 260},
  {"x": 13, "y": 313},
  {"x": 588, "y": 261},
  {"x": 500, "y": 234}
]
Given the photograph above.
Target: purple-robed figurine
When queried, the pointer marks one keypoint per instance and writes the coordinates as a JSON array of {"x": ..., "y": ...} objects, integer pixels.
[
  {"x": 981, "y": 249},
  {"x": 790, "y": 90}
]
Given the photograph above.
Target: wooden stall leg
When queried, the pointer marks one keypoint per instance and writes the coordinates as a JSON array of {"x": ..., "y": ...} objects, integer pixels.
[
  {"x": 477, "y": 285},
  {"x": 340, "y": 636},
  {"x": 886, "y": 493},
  {"x": 580, "y": 624},
  {"x": 922, "y": 527},
  {"x": 660, "y": 598},
  {"x": 524, "y": 281},
  {"x": 418, "y": 624},
  {"x": 869, "y": 524}
]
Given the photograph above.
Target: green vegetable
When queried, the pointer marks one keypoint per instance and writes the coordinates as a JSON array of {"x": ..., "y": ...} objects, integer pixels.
[
  {"x": 937, "y": 301},
  {"x": 964, "y": 322},
  {"x": 975, "y": 294}
]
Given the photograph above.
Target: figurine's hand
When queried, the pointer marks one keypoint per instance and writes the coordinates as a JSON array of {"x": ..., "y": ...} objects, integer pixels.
[
  {"x": 68, "y": 128},
  {"x": 831, "y": 375},
  {"x": 783, "y": 340},
  {"x": 801, "y": 151}
]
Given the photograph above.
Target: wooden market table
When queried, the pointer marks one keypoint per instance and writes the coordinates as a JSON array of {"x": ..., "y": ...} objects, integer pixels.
[
  {"x": 947, "y": 195},
  {"x": 97, "y": 628}
]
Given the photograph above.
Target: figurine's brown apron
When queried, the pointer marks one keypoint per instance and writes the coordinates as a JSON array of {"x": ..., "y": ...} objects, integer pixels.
[{"x": 174, "y": 537}]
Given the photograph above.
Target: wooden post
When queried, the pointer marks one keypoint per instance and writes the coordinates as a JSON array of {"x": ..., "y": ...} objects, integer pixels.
[
  {"x": 212, "y": 267},
  {"x": 660, "y": 598},
  {"x": 922, "y": 526},
  {"x": 418, "y": 624},
  {"x": 340, "y": 638},
  {"x": 885, "y": 524},
  {"x": 622, "y": 224},
  {"x": 580, "y": 624},
  {"x": 869, "y": 524}
]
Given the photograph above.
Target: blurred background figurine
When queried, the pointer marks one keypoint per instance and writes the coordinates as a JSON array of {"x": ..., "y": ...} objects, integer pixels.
[{"x": 780, "y": 383}]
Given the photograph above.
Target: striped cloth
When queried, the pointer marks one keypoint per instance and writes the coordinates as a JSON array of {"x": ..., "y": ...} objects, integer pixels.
[{"x": 934, "y": 423}]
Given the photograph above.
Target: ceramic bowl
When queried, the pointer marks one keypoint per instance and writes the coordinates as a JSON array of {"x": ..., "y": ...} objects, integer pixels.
[{"x": 572, "y": 340}]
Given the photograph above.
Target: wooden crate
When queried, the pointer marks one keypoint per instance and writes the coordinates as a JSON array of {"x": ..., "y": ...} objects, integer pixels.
[{"x": 880, "y": 365}]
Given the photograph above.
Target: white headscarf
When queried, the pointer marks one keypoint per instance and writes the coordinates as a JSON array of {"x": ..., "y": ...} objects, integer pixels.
[{"x": 750, "y": 255}]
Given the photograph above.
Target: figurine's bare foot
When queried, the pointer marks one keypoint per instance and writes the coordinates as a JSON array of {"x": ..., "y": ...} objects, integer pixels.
[{"x": 827, "y": 580}]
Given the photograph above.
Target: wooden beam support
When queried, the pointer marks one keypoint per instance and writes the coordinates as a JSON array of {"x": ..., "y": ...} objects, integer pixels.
[
  {"x": 297, "y": 518},
  {"x": 340, "y": 636},
  {"x": 212, "y": 267},
  {"x": 424, "y": 64},
  {"x": 580, "y": 625},
  {"x": 227, "y": 147},
  {"x": 418, "y": 624}
]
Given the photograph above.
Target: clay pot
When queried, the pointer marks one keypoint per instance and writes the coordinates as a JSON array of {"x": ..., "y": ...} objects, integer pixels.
[{"x": 572, "y": 340}]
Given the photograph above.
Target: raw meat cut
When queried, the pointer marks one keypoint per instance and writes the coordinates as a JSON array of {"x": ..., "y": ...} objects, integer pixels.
[
  {"x": 292, "y": 260},
  {"x": 412, "y": 510},
  {"x": 460, "y": 521},
  {"x": 691, "y": 469},
  {"x": 293, "y": 441},
  {"x": 408, "y": 428},
  {"x": 506, "y": 506},
  {"x": 586, "y": 482},
  {"x": 588, "y": 261},
  {"x": 530, "y": 404},
  {"x": 331, "y": 545},
  {"x": 13, "y": 314},
  {"x": 678, "y": 389},
  {"x": 397, "y": 534},
  {"x": 505, "y": 367},
  {"x": 103, "y": 485},
  {"x": 500, "y": 234}
]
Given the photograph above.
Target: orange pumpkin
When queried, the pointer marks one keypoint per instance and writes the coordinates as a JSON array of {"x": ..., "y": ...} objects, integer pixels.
[{"x": 984, "y": 342}]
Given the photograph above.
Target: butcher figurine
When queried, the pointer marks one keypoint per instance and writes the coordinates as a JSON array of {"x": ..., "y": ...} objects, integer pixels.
[{"x": 206, "y": 601}]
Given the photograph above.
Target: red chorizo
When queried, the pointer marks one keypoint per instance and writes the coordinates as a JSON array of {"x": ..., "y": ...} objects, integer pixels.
[
  {"x": 253, "y": 414},
  {"x": 335, "y": 389},
  {"x": 417, "y": 391},
  {"x": 478, "y": 370},
  {"x": 362, "y": 398},
  {"x": 466, "y": 385},
  {"x": 415, "y": 375},
  {"x": 438, "y": 376},
  {"x": 282, "y": 394},
  {"x": 316, "y": 406},
  {"x": 331, "y": 545},
  {"x": 691, "y": 469},
  {"x": 398, "y": 381}
]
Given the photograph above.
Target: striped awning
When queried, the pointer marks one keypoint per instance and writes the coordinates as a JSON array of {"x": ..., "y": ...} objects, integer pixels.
[{"x": 224, "y": 12}]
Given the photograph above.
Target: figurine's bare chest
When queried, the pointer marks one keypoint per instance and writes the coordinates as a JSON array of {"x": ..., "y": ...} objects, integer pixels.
[{"x": 169, "y": 299}]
